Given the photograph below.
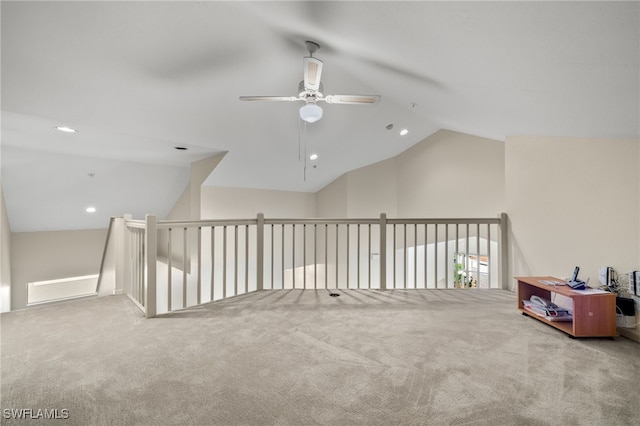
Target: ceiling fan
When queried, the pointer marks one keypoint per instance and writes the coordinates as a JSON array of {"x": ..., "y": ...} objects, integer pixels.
[{"x": 310, "y": 90}]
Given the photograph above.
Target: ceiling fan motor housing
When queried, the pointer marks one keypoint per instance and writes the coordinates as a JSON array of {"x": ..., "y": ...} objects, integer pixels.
[{"x": 304, "y": 93}]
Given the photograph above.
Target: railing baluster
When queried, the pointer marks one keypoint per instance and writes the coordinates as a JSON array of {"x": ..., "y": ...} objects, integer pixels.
[
  {"x": 435, "y": 257},
  {"x": 478, "y": 255},
  {"x": 466, "y": 259},
  {"x": 169, "y": 270},
  {"x": 337, "y": 240},
  {"x": 184, "y": 268},
  {"x": 224, "y": 262},
  {"x": 426, "y": 246},
  {"x": 282, "y": 256},
  {"x": 488, "y": 255},
  {"x": 457, "y": 256},
  {"x": 358, "y": 276},
  {"x": 326, "y": 256},
  {"x": 348, "y": 250},
  {"x": 315, "y": 255},
  {"x": 139, "y": 257},
  {"x": 131, "y": 278},
  {"x": 415, "y": 255},
  {"x": 304, "y": 256},
  {"x": 213, "y": 260},
  {"x": 446, "y": 256},
  {"x": 293, "y": 256},
  {"x": 383, "y": 251},
  {"x": 199, "y": 281},
  {"x": 259, "y": 254},
  {"x": 235, "y": 260},
  {"x": 142, "y": 268},
  {"x": 395, "y": 254},
  {"x": 135, "y": 279},
  {"x": 369, "y": 256},
  {"x": 246, "y": 259},
  {"x": 404, "y": 256}
]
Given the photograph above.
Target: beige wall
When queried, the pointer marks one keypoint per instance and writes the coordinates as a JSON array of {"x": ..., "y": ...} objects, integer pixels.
[
  {"x": 572, "y": 201},
  {"x": 40, "y": 256},
  {"x": 451, "y": 174},
  {"x": 332, "y": 199},
  {"x": 448, "y": 174},
  {"x": 5, "y": 257},
  {"x": 372, "y": 190},
  {"x": 241, "y": 203},
  {"x": 567, "y": 200}
]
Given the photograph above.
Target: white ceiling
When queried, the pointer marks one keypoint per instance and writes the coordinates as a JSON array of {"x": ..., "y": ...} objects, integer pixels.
[{"x": 139, "y": 78}]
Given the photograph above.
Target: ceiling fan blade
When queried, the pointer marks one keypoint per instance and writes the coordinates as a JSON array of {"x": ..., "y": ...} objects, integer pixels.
[
  {"x": 352, "y": 99},
  {"x": 269, "y": 98},
  {"x": 312, "y": 73}
]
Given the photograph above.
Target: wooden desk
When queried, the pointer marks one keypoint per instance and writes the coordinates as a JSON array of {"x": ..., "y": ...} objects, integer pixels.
[{"x": 594, "y": 315}]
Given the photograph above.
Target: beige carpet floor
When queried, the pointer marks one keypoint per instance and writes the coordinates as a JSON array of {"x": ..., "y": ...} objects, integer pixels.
[{"x": 300, "y": 357}]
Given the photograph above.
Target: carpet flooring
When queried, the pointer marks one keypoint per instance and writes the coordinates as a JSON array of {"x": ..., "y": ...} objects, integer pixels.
[{"x": 301, "y": 357}]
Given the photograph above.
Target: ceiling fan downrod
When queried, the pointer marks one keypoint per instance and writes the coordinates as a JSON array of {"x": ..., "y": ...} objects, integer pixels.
[{"x": 312, "y": 47}]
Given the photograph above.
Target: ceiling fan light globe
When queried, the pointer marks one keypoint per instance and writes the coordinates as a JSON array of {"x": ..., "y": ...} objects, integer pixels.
[{"x": 310, "y": 112}]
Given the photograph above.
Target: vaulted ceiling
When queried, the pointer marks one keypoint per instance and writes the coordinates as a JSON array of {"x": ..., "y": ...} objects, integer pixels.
[{"x": 137, "y": 79}]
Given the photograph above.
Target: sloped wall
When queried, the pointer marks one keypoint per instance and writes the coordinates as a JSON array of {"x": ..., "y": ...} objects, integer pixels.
[
  {"x": 448, "y": 174},
  {"x": 331, "y": 201},
  {"x": 451, "y": 174},
  {"x": 242, "y": 203}
]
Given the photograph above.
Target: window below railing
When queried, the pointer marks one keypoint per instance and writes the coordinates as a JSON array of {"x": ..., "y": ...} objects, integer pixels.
[{"x": 61, "y": 289}]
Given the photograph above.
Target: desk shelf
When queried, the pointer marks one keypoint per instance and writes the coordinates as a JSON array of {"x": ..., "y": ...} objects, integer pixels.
[{"x": 594, "y": 315}]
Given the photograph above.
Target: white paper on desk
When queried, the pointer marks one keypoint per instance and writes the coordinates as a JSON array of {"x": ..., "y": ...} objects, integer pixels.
[{"x": 590, "y": 291}]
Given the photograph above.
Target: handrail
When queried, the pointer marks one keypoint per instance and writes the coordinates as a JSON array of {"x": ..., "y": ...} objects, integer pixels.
[
  {"x": 321, "y": 221},
  {"x": 331, "y": 221},
  {"x": 444, "y": 221},
  {"x": 140, "y": 224},
  {"x": 164, "y": 224}
]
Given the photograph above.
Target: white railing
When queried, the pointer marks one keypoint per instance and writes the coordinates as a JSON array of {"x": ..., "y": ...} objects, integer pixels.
[{"x": 172, "y": 265}]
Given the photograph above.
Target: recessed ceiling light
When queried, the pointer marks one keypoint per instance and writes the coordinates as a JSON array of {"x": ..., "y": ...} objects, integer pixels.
[
  {"x": 403, "y": 132},
  {"x": 91, "y": 210},
  {"x": 313, "y": 157},
  {"x": 66, "y": 129}
]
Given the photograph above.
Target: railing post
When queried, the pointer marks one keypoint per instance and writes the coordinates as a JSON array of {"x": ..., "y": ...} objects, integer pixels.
[
  {"x": 121, "y": 253},
  {"x": 151, "y": 255},
  {"x": 260, "y": 252},
  {"x": 383, "y": 251},
  {"x": 127, "y": 284},
  {"x": 504, "y": 253}
]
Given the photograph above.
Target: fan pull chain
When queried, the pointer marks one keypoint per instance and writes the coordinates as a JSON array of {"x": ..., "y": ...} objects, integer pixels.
[
  {"x": 302, "y": 146},
  {"x": 305, "y": 153},
  {"x": 299, "y": 137}
]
